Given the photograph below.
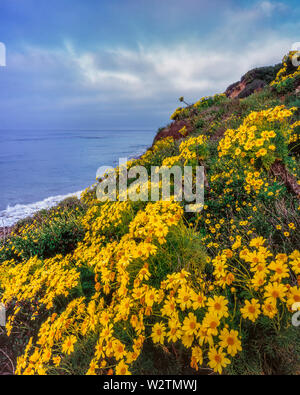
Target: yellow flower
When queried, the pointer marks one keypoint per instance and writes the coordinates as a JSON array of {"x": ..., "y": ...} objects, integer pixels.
[
  {"x": 175, "y": 332},
  {"x": 295, "y": 261},
  {"x": 169, "y": 308},
  {"x": 230, "y": 341},
  {"x": 251, "y": 310},
  {"x": 293, "y": 296},
  {"x": 269, "y": 308},
  {"x": 281, "y": 270},
  {"x": 122, "y": 369},
  {"x": 257, "y": 242},
  {"x": 56, "y": 361},
  {"x": 211, "y": 321},
  {"x": 187, "y": 340},
  {"x": 275, "y": 291},
  {"x": 217, "y": 359},
  {"x": 158, "y": 333},
  {"x": 119, "y": 350},
  {"x": 68, "y": 345},
  {"x": 184, "y": 298},
  {"x": 197, "y": 357},
  {"x": 218, "y": 305},
  {"x": 150, "y": 297},
  {"x": 198, "y": 300},
  {"x": 190, "y": 325}
]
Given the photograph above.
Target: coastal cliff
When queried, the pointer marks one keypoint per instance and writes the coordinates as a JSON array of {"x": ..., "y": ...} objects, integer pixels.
[{"x": 137, "y": 287}]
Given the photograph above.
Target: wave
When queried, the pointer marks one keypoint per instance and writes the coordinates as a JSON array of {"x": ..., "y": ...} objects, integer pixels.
[{"x": 13, "y": 214}]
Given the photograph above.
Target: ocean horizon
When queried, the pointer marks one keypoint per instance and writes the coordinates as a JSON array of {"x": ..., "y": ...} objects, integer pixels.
[{"x": 39, "y": 168}]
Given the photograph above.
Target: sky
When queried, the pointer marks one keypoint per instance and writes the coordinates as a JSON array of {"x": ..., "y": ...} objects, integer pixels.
[{"x": 123, "y": 64}]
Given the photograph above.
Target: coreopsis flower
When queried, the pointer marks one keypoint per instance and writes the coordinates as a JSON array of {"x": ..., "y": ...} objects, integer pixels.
[
  {"x": 187, "y": 340},
  {"x": 132, "y": 356},
  {"x": 109, "y": 348},
  {"x": 92, "y": 368},
  {"x": 198, "y": 300},
  {"x": 197, "y": 355},
  {"x": 257, "y": 242},
  {"x": 106, "y": 332},
  {"x": 119, "y": 350},
  {"x": 56, "y": 360},
  {"x": 150, "y": 297},
  {"x": 68, "y": 345},
  {"x": 218, "y": 306},
  {"x": 122, "y": 369},
  {"x": 204, "y": 337},
  {"x": 184, "y": 298},
  {"x": 175, "y": 331},
  {"x": 211, "y": 321},
  {"x": 158, "y": 333},
  {"x": 269, "y": 308},
  {"x": 230, "y": 340},
  {"x": 99, "y": 350},
  {"x": 251, "y": 310},
  {"x": 275, "y": 291},
  {"x": 217, "y": 359},
  {"x": 293, "y": 295},
  {"x": 281, "y": 270},
  {"x": 169, "y": 307},
  {"x": 258, "y": 279},
  {"x": 190, "y": 325},
  {"x": 295, "y": 261}
]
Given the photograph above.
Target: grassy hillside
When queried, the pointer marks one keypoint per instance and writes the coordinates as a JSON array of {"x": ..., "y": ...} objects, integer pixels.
[{"x": 143, "y": 288}]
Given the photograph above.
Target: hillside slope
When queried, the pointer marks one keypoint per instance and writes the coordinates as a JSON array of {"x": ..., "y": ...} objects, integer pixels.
[{"x": 144, "y": 287}]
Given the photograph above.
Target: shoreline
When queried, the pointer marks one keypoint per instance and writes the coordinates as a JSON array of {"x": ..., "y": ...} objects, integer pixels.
[
  {"x": 14, "y": 214},
  {"x": 23, "y": 211}
]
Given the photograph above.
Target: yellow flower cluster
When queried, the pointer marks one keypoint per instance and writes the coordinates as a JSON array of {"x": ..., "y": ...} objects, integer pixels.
[
  {"x": 139, "y": 292},
  {"x": 191, "y": 149},
  {"x": 208, "y": 100},
  {"x": 35, "y": 280},
  {"x": 253, "y": 181},
  {"x": 259, "y": 136},
  {"x": 283, "y": 75},
  {"x": 201, "y": 104},
  {"x": 177, "y": 113}
]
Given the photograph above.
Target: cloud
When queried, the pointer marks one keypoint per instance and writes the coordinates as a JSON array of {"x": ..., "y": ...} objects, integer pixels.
[
  {"x": 69, "y": 82},
  {"x": 70, "y": 86},
  {"x": 269, "y": 7},
  {"x": 183, "y": 68}
]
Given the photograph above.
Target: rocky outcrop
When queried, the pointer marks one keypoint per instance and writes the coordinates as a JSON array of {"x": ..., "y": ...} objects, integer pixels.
[
  {"x": 252, "y": 81},
  {"x": 4, "y": 232},
  {"x": 279, "y": 170},
  {"x": 173, "y": 130}
]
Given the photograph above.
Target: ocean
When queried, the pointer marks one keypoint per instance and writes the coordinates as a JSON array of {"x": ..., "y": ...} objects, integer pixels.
[{"x": 39, "y": 168}]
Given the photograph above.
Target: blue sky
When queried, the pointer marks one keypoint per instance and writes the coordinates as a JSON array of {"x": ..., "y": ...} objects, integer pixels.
[{"x": 96, "y": 64}]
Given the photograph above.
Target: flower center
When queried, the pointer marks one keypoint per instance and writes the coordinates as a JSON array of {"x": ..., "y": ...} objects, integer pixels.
[{"x": 252, "y": 309}]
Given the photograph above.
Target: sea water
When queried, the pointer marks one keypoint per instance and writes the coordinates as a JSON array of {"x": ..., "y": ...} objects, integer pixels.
[{"x": 39, "y": 168}]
